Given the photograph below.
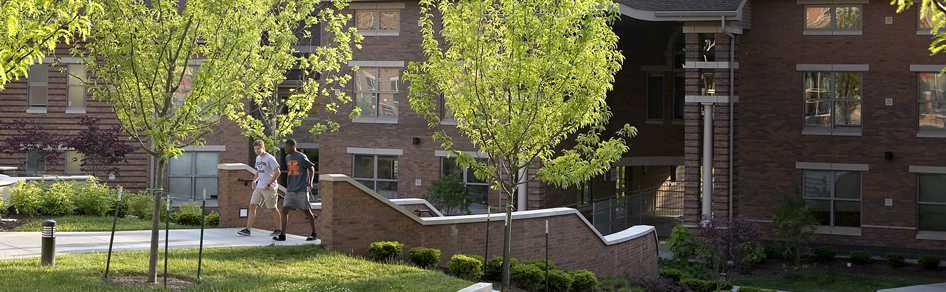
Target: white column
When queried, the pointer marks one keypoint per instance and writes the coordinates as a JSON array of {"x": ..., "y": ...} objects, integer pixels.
[
  {"x": 523, "y": 200},
  {"x": 707, "y": 181}
]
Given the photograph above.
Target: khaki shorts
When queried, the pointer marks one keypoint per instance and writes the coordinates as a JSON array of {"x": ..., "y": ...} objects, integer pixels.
[{"x": 268, "y": 197}]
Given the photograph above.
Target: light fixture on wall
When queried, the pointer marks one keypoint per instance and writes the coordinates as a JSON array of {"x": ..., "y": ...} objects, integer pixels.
[
  {"x": 244, "y": 212},
  {"x": 888, "y": 155},
  {"x": 415, "y": 141}
]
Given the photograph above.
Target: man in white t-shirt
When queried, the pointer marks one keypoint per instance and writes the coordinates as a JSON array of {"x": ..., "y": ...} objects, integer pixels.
[{"x": 264, "y": 188}]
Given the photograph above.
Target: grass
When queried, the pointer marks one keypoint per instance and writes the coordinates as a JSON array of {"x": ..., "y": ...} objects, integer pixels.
[
  {"x": 265, "y": 268},
  {"x": 830, "y": 281},
  {"x": 86, "y": 223}
]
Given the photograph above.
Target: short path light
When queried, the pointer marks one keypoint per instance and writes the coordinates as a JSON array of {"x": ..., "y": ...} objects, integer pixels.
[{"x": 49, "y": 243}]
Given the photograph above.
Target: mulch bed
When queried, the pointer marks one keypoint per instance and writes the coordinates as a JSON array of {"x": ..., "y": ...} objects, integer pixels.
[
  {"x": 7, "y": 226},
  {"x": 780, "y": 267}
]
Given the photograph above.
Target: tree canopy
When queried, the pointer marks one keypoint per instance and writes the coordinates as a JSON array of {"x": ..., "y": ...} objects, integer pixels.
[{"x": 935, "y": 12}]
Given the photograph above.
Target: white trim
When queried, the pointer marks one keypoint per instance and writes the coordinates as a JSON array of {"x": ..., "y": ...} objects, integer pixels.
[
  {"x": 375, "y": 151},
  {"x": 926, "y": 68},
  {"x": 888, "y": 227},
  {"x": 931, "y": 134},
  {"x": 448, "y": 122},
  {"x": 931, "y": 235},
  {"x": 36, "y": 110},
  {"x": 928, "y": 169},
  {"x": 709, "y": 65},
  {"x": 444, "y": 153},
  {"x": 236, "y": 166},
  {"x": 301, "y": 145},
  {"x": 375, "y": 120},
  {"x": 205, "y": 148},
  {"x": 832, "y": 1},
  {"x": 709, "y": 98},
  {"x": 380, "y": 6},
  {"x": 378, "y": 33},
  {"x": 704, "y": 28},
  {"x": 923, "y": 32},
  {"x": 75, "y": 110},
  {"x": 831, "y": 166},
  {"x": 70, "y": 60},
  {"x": 837, "y": 230},
  {"x": 649, "y": 161},
  {"x": 844, "y": 131},
  {"x": 833, "y": 67},
  {"x": 385, "y": 64}
]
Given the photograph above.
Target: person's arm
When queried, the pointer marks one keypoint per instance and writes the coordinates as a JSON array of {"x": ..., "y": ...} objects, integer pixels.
[
  {"x": 311, "y": 175},
  {"x": 276, "y": 172},
  {"x": 255, "y": 178}
]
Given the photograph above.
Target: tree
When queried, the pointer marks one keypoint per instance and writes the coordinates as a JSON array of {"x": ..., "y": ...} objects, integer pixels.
[
  {"x": 794, "y": 225},
  {"x": 450, "y": 195},
  {"x": 520, "y": 78},
  {"x": 275, "y": 115},
  {"x": 31, "y": 29},
  {"x": 936, "y": 10},
  {"x": 171, "y": 70},
  {"x": 725, "y": 242},
  {"x": 25, "y": 137},
  {"x": 100, "y": 148}
]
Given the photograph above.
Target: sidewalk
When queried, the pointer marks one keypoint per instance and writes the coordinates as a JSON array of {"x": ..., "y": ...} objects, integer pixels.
[{"x": 15, "y": 245}]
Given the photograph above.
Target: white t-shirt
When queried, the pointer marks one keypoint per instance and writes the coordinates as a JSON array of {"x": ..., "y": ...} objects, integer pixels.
[{"x": 265, "y": 166}]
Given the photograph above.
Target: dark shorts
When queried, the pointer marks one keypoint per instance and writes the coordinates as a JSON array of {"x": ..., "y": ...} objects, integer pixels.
[{"x": 298, "y": 200}]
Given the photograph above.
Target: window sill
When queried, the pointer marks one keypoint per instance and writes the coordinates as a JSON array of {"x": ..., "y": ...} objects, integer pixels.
[
  {"x": 448, "y": 122},
  {"x": 931, "y": 235},
  {"x": 654, "y": 122},
  {"x": 854, "y": 131},
  {"x": 311, "y": 118},
  {"x": 832, "y": 32},
  {"x": 375, "y": 120},
  {"x": 850, "y": 231},
  {"x": 378, "y": 33},
  {"x": 36, "y": 110},
  {"x": 931, "y": 134},
  {"x": 923, "y": 32},
  {"x": 75, "y": 110}
]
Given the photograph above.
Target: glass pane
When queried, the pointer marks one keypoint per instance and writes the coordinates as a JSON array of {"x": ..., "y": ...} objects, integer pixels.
[
  {"x": 445, "y": 111},
  {"x": 816, "y": 184},
  {"x": 366, "y": 79},
  {"x": 822, "y": 211},
  {"x": 849, "y": 17},
  {"x": 932, "y": 217},
  {"x": 207, "y": 163},
  {"x": 34, "y": 162},
  {"x": 818, "y": 17},
  {"x": 847, "y": 85},
  {"x": 471, "y": 175},
  {"x": 387, "y": 189},
  {"x": 449, "y": 166},
  {"x": 817, "y": 85},
  {"x": 480, "y": 194},
  {"x": 925, "y": 19},
  {"x": 390, "y": 77},
  {"x": 932, "y": 188},
  {"x": 202, "y": 183},
  {"x": 389, "y": 20},
  {"x": 932, "y": 115},
  {"x": 848, "y": 112},
  {"x": 847, "y": 185},
  {"x": 73, "y": 161},
  {"x": 387, "y": 167},
  {"x": 38, "y": 95},
  {"x": 180, "y": 189},
  {"x": 367, "y": 183},
  {"x": 181, "y": 165},
  {"x": 365, "y": 101},
  {"x": 39, "y": 74},
  {"x": 847, "y": 214},
  {"x": 76, "y": 74},
  {"x": 76, "y": 96},
  {"x": 930, "y": 92},
  {"x": 817, "y": 113},
  {"x": 387, "y": 104},
  {"x": 366, "y": 20},
  {"x": 708, "y": 82},
  {"x": 364, "y": 167}
]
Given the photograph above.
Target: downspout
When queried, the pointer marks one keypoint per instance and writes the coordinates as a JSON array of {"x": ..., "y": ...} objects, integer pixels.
[
  {"x": 732, "y": 101},
  {"x": 523, "y": 199}
]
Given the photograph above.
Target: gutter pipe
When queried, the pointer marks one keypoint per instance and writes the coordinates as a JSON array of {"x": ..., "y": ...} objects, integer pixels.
[{"x": 732, "y": 101}]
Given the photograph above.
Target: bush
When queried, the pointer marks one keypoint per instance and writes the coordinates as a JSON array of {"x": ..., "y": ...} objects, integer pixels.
[
  {"x": 768, "y": 250},
  {"x": 56, "y": 200},
  {"x": 528, "y": 277},
  {"x": 674, "y": 275},
  {"x": 449, "y": 195},
  {"x": 477, "y": 257},
  {"x": 929, "y": 262},
  {"x": 212, "y": 219},
  {"x": 560, "y": 281},
  {"x": 93, "y": 199},
  {"x": 540, "y": 263},
  {"x": 424, "y": 257},
  {"x": 681, "y": 243},
  {"x": 584, "y": 281},
  {"x": 698, "y": 285},
  {"x": 494, "y": 267},
  {"x": 825, "y": 253},
  {"x": 188, "y": 214},
  {"x": 25, "y": 196},
  {"x": 860, "y": 257},
  {"x": 465, "y": 267},
  {"x": 895, "y": 260},
  {"x": 749, "y": 289},
  {"x": 655, "y": 284},
  {"x": 141, "y": 205},
  {"x": 794, "y": 226},
  {"x": 385, "y": 251}
]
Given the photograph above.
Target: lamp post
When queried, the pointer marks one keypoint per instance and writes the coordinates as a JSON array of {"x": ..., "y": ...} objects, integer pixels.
[{"x": 49, "y": 243}]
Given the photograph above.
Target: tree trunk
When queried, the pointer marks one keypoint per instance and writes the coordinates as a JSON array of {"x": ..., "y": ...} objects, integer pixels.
[
  {"x": 156, "y": 221},
  {"x": 507, "y": 233}
]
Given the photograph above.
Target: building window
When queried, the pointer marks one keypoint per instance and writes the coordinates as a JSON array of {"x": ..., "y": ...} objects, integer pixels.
[
  {"x": 707, "y": 47},
  {"x": 38, "y": 83},
  {"x": 707, "y": 82},
  {"x": 479, "y": 189},
  {"x": 931, "y": 208},
  {"x": 76, "y": 87},
  {"x": 925, "y": 21},
  {"x": 377, "y": 172},
  {"x": 446, "y": 113},
  {"x": 584, "y": 192},
  {"x": 655, "y": 96},
  {"x": 832, "y": 99},
  {"x": 931, "y": 100},
  {"x": 832, "y": 19},
  {"x": 834, "y": 197},
  {"x": 73, "y": 161},
  {"x": 35, "y": 162},
  {"x": 192, "y": 173},
  {"x": 679, "y": 95},
  {"x": 378, "y": 22},
  {"x": 376, "y": 91}
]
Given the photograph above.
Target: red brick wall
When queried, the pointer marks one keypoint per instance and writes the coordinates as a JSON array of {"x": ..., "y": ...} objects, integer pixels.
[{"x": 235, "y": 195}]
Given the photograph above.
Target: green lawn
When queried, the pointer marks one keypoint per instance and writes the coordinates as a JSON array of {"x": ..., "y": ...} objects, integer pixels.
[
  {"x": 265, "y": 268},
  {"x": 830, "y": 281},
  {"x": 85, "y": 223}
]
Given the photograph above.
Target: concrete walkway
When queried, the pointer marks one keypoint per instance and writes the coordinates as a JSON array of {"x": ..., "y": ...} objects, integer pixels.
[{"x": 28, "y": 244}]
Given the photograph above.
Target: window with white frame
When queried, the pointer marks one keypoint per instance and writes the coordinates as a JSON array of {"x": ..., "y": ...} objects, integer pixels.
[
  {"x": 378, "y": 22},
  {"x": 38, "y": 82},
  {"x": 76, "y": 88},
  {"x": 35, "y": 162},
  {"x": 73, "y": 162},
  {"x": 931, "y": 202},
  {"x": 479, "y": 189},
  {"x": 834, "y": 197},
  {"x": 377, "y": 172},
  {"x": 832, "y": 99},
  {"x": 931, "y": 99},
  {"x": 833, "y": 19},
  {"x": 192, "y": 173},
  {"x": 376, "y": 91}
]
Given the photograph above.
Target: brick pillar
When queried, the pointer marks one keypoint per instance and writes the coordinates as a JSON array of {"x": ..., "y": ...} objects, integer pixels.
[{"x": 692, "y": 144}]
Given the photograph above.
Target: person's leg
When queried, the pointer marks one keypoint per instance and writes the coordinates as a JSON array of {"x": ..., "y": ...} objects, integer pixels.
[
  {"x": 285, "y": 218},
  {"x": 271, "y": 205},
  {"x": 251, "y": 216},
  {"x": 311, "y": 216}
]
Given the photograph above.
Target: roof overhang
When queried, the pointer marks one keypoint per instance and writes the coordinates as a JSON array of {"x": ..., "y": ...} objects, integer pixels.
[{"x": 648, "y": 15}]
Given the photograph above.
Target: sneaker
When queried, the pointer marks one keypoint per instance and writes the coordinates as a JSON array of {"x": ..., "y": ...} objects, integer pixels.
[
  {"x": 281, "y": 237},
  {"x": 311, "y": 237},
  {"x": 275, "y": 233},
  {"x": 244, "y": 232}
]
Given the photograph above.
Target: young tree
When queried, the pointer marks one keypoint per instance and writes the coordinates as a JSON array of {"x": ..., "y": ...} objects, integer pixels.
[
  {"x": 170, "y": 69},
  {"x": 24, "y": 137},
  {"x": 723, "y": 240},
  {"x": 794, "y": 225},
  {"x": 275, "y": 115},
  {"x": 100, "y": 148},
  {"x": 521, "y": 77},
  {"x": 32, "y": 29},
  {"x": 936, "y": 11}
]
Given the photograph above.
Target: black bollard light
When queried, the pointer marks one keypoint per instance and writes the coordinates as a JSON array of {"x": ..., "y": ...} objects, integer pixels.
[{"x": 49, "y": 243}]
